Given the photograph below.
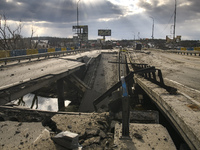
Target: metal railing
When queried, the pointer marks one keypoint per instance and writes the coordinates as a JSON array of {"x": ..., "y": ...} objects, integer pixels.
[
  {"x": 186, "y": 52},
  {"x": 41, "y": 55}
]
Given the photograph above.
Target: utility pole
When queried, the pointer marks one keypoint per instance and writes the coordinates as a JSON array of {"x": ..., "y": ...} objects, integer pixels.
[
  {"x": 0, "y": 21},
  {"x": 152, "y": 28},
  {"x": 174, "y": 36},
  {"x": 77, "y": 12}
]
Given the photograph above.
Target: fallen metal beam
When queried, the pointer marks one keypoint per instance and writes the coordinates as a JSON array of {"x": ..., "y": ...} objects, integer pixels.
[
  {"x": 118, "y": 84},
  {"x": 80, "y": 85}
]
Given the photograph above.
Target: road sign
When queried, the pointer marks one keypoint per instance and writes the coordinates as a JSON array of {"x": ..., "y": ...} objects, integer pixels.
[
  {"x": 104, "y": 32},
  {"x": 82, "y": 32}
]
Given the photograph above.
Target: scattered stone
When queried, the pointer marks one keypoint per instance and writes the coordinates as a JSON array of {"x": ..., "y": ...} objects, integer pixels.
[
  {"x": 69, "y": 127},
  {"x": 90, "y": 123},
  {"x": 20, "y": 124},
  {"x": 137, "y": 136},
  {"x": 140, "y": 140},
  {"x": 92, "y": 131},
  {"x": 17, "y": 132},
  {"x": 67, "y": 139},
  {"x": 94, "y": 147},
  {"x": 102, "y": 134},
  {"x": 90, "y": 141},
  {"x": 27, "y": 135},
  {"x": 14, "y": 136}
]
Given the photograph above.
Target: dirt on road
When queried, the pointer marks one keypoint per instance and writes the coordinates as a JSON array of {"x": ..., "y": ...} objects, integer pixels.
[{"x": 179, "y": 71}]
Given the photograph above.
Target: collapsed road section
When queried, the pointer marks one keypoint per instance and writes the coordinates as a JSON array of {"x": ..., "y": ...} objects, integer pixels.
[{"x": 134, "y": 107}]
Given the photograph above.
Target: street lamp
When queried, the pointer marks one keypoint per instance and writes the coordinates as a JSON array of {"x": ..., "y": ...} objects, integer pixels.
[
  {"x": 77, "y": 11},
  {"x": 174, "y": 33},
  {"x": 152, "y": 28}
]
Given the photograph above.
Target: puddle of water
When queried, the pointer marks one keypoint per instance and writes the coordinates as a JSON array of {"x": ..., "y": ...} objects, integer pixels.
[{"x": 47, "y": 104}]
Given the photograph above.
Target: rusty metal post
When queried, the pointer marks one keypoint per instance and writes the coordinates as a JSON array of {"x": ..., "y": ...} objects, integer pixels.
[
  {"x": 60, "y": 91},
  {"x": 125, "y": 109}
]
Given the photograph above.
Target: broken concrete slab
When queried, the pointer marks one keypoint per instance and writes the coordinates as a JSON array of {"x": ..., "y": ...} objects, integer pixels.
[
  {"x": 67, "y": 139},
  {"x": 91, "y": 54},
  {"x": 87, "y": 121},
  {"x": 93, "y": 128},
  {"x": 176, "y": 107},
  {"x": 148, "y": 116},
  {"x": 21, "y": 135},
  {"x": 144, "y": 136}
]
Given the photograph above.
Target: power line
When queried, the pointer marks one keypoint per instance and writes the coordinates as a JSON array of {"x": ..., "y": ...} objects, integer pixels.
[{"x": 168, "y": 23}]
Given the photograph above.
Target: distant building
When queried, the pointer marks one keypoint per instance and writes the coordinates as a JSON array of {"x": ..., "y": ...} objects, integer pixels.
[{"x": 41, "y": 43}]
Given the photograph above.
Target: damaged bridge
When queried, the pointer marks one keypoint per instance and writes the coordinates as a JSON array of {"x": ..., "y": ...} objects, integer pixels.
[
  {"x": 22, "y": 78},
  {"x": 125, "y": 104}
]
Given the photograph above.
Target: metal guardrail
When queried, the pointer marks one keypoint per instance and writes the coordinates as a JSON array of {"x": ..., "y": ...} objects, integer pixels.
[
  {"x": 154, "y": 76},
  {"x": 45, "y": 55},
  {"x": 186, "y": 52}
]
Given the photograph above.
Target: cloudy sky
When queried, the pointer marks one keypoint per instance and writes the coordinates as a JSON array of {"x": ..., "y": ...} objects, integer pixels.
[{"x": 126, "y": 18}]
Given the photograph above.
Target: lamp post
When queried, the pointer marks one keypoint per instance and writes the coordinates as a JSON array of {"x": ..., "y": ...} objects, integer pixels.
[
  {"x": 152, "y": 28},
  {"x": 77, "y": 11},
  {"x": 174, "y": 33}
]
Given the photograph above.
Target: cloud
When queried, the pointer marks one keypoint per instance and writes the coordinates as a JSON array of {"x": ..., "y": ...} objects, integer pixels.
[
  {"x": 163, "y": 13},
  {"x": 57, "y": 10},
  {"x": 31, "y": 10},
  {"x": 125, "y": 17}
]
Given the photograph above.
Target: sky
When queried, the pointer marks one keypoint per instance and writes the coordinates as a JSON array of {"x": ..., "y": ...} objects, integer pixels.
[{"x": 127, "y": 19}]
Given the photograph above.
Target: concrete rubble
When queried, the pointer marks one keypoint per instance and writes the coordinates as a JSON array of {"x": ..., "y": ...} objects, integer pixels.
[
  {"x": 92, "y": 128},
  {"x": 67, "y": 139},
  {"x": 144, "y": 136},
  {"x": 23, "y": 135}
]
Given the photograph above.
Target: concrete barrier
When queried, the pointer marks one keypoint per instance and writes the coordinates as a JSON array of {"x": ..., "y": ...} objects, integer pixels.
[{"x": 182, "y": 112}]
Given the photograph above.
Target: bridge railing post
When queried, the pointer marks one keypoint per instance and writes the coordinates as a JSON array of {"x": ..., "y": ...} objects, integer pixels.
[
  {"x": 60, "y": 92},
  {"x": 125, "y": 110}
]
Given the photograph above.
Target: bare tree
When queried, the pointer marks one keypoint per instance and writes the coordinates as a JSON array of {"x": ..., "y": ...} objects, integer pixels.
[
  {"x": 32, "y": 44},
  {"x": 10, "y": 38}
]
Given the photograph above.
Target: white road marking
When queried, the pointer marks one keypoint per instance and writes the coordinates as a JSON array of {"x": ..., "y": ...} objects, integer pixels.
[{"x": 187, "y": 96}]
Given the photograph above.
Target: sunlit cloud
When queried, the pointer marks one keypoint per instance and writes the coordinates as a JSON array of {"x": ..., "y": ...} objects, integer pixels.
[
  {"x": 107, "y": 19},
  {"x": 129, "y": 7},
  {"x": 56, "y": 17},
  {"x": 18, "y": 3},
  {"x": 8, "y": 1},
  {"x": 185, "y": 4}
]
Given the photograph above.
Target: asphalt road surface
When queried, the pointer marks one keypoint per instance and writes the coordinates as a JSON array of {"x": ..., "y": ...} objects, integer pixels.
[{"x": 180, "y": 69}]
